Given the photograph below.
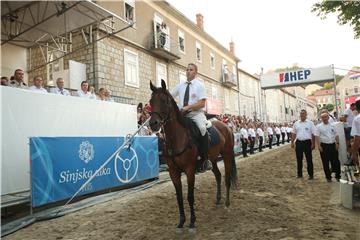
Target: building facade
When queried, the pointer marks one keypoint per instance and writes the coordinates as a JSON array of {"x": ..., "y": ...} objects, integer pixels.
[
  {"x": 159, "y": 46},
  {"x": 348, "y": 89},
  {"x": 249, "y": 94}
]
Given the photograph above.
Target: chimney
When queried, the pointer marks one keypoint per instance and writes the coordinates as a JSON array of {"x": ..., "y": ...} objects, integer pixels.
[
  {"x": 200, "y": 21},
  {"x": 232, "y": 47}
]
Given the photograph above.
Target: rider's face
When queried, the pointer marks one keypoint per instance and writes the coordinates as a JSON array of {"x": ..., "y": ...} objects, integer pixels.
[{"x": 190, "y": 72}]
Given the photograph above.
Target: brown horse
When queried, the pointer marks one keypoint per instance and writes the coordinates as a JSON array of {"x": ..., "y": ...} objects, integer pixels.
[{"x": 181, "y": 154}]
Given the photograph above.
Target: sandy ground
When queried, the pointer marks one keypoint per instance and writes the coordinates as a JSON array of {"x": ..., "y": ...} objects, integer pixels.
[{"x": 270, "y": 203}]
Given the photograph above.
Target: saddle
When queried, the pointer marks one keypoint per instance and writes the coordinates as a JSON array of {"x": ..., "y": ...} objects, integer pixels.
[{"x": 213, "y": 134}]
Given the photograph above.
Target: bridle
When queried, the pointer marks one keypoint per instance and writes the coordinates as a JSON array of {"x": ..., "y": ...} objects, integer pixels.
[{"x": 163, "y": 121}]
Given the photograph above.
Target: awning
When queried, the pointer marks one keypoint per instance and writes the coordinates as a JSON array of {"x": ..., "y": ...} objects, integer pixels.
[{"x": 27, "y": 23}]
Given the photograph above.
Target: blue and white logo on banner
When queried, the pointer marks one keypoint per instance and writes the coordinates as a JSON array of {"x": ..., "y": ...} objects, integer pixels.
[{"x": 61, "y": 165}]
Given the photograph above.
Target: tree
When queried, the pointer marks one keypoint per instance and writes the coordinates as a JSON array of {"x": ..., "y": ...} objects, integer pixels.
[
  {"x": 348, "y": 12},
  {"x": 328, "y": 85},
  {"x": 330, "y": 107}
]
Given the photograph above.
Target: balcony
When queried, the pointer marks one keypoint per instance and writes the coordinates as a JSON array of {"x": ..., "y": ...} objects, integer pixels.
[
  {"x": 228, "y": 78},
  {"x": 163, "y": 46}
]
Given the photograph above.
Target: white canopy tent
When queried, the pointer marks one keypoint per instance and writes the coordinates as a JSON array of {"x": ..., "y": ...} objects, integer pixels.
[{"x": 49, "y": 25}]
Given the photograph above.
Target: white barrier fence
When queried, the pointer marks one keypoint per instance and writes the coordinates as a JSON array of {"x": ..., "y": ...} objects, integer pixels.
[{"x": 27, "y": 114}]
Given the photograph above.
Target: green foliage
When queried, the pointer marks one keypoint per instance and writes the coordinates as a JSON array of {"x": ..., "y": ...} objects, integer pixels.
[
  {"x": 294, "y": 67},
  {"x": 327, "y": 86},
  {"x": 338, "y": 78},
  {"x": 348, "y": 12},
  {"x": 330, "y": 107}
]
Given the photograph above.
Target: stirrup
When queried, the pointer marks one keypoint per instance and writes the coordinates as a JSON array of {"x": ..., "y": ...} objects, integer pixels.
[{"x": 207, "y": 165}]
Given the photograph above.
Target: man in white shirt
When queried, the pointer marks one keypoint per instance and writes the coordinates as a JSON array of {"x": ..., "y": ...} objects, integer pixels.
[
  {"x": 244, "y": 139},
  {"x": 331, "y": 118},
  {"x": 355, "y": 133},
  {"x": 38, "y": 82},
  {"x": 277, "y": 132},
  {"x": 60, "y": 83},
  {"x": 108, "y": 97},
  {"x": 283, "y": 132},
  {"x": 288, "y": 132},
  {"x": 260, "y": 134},
  {"x": 252, "y": 136},
  {"x": 84, "y": 91},
  {"x": 18, "y": 81},
  {"x": 327, "y": 141},
  {"x": 349, "y": 117},
  {"x": 303, "y": 132},
  {"x": 270, "y": 135},
  {"x": 192, "y": 100}
]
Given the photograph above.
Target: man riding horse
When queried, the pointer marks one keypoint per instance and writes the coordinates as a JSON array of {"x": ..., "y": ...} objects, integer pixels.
[{"x": 192, "y": 99}]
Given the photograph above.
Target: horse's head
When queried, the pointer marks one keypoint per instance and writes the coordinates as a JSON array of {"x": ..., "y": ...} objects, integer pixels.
[{"x": 161, "y": 106}]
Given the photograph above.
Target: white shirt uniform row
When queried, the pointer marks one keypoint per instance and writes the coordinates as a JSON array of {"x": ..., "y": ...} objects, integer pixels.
[
  {"x": 251, "y": 132},
  {"x": 326, "y": 132},
  {"x": 270, "y": 131},
  {"x": 277, "y": 131},
  {"x": 260, "y": 132},
  {"x": 289, "y": 129},
  {"x": 244, "y": 133},
  {"x": 283, "y": 129},
  {"x": 304, "y": 130}
]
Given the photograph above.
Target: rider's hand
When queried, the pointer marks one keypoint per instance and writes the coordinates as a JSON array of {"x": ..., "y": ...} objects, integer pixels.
[{"x": 185, "y": 109}]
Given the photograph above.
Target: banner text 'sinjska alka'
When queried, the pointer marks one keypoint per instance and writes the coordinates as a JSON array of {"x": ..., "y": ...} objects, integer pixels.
[{"x": 61, "y": 165}]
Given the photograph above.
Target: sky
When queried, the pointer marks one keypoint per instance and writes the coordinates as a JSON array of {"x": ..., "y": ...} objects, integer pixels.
[{"x": 277, "y": 33}]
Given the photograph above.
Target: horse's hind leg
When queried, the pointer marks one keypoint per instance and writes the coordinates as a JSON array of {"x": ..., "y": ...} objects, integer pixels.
[
  {"x": 217, "y": 174},
  {"x": 191, "y": 182},
  {"x": 227, "y": 163},
  {"x": 176, "y": 179}
]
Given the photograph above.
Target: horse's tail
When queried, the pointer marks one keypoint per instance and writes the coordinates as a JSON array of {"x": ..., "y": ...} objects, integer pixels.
[{"x": 233, "y": 173}]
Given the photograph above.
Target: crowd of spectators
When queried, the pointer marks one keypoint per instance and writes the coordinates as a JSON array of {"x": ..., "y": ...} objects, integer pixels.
[{"x": 85, "y": 91}]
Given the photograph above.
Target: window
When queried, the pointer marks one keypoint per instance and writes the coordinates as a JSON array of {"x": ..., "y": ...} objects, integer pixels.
[
  {"x": 181, "y": 41},
  {"x": 198, "y": 51},
  {"x": 356, "y": 90},
  {"x": 346, "y": 91},
  {"x": 129, "y": 10},
  {"x": 214, "y": 92},
  {"x": 131, "y": 66},
  {"x": 212, "y": 60}
]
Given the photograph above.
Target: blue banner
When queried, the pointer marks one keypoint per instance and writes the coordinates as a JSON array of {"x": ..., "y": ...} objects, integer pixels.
[{"x": 61, "y": 165}]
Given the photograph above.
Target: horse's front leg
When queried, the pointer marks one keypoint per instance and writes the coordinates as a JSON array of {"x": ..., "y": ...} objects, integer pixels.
[
  {"x": 175, "y": 176},
  {"x": 191, "y": 182}
]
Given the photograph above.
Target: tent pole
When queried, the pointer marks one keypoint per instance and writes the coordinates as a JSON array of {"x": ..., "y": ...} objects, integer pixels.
[{"x": 335, "y": 94}]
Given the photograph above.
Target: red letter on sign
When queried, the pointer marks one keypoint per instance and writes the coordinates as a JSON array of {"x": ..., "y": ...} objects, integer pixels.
[{"x": 281, "y": 77}]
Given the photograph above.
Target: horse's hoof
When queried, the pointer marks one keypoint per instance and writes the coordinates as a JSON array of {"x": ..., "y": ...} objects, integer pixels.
[{"x": 192, "y": 229}]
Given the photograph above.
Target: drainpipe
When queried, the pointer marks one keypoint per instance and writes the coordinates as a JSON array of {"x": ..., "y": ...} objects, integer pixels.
[
  {"x": 93, "y": 56},
  {"x": 238, "y": 85}
]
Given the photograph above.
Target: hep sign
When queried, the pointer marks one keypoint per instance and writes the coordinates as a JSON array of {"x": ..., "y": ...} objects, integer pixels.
[{"x": 294, "y": 76}]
